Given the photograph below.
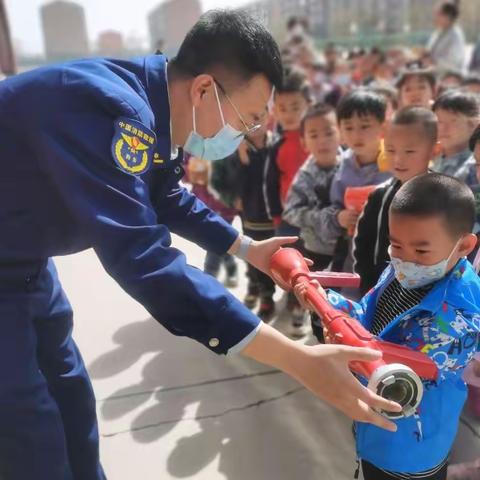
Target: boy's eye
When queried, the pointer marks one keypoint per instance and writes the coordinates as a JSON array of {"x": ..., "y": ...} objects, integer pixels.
[
  {"x": 410, "y": 151},
  {"x": 421, "y": 252}
]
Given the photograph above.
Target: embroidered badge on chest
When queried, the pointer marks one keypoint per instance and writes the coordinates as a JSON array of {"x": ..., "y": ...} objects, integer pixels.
[{"x": 133, "y": 146}]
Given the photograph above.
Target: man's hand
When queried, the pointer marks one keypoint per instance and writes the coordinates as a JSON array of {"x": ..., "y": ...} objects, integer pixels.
[
  {"x": 260, "y": 253},
  {"x": 324, "y": 371}
]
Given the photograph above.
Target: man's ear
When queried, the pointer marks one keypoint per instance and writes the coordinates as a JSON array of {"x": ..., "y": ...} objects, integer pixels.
[
  {"x": 467, "y": 245},
  {"x": 202, "y": 85}
]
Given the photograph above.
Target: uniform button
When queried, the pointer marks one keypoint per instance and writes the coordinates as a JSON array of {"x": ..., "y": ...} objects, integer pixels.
[
  {"x": 177, "y": 170},
  {"x": 214, "y": 342}
]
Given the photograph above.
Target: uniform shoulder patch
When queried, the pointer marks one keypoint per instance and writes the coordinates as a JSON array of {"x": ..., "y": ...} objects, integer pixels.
[{"x": 133, "y": 146}]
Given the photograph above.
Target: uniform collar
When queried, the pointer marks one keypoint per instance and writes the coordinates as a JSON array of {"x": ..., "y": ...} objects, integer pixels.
[{"x": 157, "y": 92}]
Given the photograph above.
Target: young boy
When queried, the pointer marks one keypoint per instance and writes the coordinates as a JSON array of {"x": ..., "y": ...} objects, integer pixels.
[
  {"x": 416, "y": 87},
  {"x": 427, "y": 299},
  {"x": 361, "y": 117},
  {"x": 287, "y": 154},
  {"x": 286, "y": 157},
  {"x": 409, "y": 146},
  {"x": 310, "y": 191},
  {"x": 243, "y": 175},
  {"x": 458, "y": 114}
]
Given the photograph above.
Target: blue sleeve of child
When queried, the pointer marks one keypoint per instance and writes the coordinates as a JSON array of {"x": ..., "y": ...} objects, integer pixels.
[{"x": 353, "y": 309}]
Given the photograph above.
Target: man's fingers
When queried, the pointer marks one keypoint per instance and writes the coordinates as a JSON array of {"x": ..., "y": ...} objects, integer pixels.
[
  {"x": 376, "y": 419},
  {"x": 308, "y": 262},
  {"x": 379, "y": 403},
  {"x": 279, "y": 241},
  {"x": 361, "y": 354}
]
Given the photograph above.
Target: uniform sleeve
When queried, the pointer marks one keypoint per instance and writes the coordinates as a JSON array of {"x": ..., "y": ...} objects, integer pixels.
[
  {"x": 184, "y": 214},
  {"x": 113, "y": 211}
]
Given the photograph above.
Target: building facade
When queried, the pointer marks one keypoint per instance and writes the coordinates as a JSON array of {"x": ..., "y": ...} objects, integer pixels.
[{"x": 64, "y": 30}]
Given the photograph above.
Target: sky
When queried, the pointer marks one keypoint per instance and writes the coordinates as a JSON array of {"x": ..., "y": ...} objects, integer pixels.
[{"x": 127, "y": 16}]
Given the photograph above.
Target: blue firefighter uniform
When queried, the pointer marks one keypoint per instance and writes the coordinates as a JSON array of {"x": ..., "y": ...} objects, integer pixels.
[{"x": 86, "y": 162}]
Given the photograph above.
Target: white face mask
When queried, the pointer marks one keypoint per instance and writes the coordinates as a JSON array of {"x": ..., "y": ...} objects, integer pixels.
[
  {"x": 413, "y": 275},
  {"x": 222, "y": 145}
]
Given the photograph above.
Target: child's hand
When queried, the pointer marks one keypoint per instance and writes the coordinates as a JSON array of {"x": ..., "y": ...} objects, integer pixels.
[
  {"x": 301, "y": 289},
  {"x": 348, "y": 219},
  {"x": 327, "y": 337}
]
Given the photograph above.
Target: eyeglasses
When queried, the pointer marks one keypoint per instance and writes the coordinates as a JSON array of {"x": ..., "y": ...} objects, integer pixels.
[{"x": 248, "y": 129}]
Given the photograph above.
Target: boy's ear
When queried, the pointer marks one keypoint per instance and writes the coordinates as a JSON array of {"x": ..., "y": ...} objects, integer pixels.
[{"x": 467, "y": 245}]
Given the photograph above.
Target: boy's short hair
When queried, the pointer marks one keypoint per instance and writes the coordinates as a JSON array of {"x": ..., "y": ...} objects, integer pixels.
[
  {"x": 361, "y": 102},
  {"x": 458, "y": 101},
  {"x": 294, "y": 81},
  {"x": 475, "y": 138},
  {"x": 416, "y": 70},
  {"x": 232, "y": 40},
  {"x": 387, "y": 91},
  {"x": 435, "y": 194},
  {"x": 418, "y": 116},
  {"x": 318, "y": 110}
]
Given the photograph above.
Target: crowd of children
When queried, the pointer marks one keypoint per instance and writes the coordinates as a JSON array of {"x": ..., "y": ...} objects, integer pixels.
[{"x": 373, "y": 160}]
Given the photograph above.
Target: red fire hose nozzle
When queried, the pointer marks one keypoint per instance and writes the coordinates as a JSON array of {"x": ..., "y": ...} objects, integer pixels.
[{"x": 397, "y": 375}]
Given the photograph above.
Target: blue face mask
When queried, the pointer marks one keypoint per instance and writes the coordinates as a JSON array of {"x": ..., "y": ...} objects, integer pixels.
[{"x": 222, "y": 145}]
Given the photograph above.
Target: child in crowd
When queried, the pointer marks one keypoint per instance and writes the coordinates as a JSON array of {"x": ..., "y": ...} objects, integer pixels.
[
  {"x": 416, "y": 87},
  {"x": 450, "y": 80},
  {"x": 472, "y": 83},
  {"x": 410, "y": 146},
  {"x": 361, "y": 117},
  {"x": 310, "y": 192},
  {"x": 428, "y": 299},
  {"x": 199, "y": 173},
  {"x": 243, "y": 174},
  {"x": 391, "y": 97},
  {"x": 469, "y": 171},
  {"x": 285, "y": 158},
  {"x": 458, "y": 115},
  {"x": 287, "y": 154}
]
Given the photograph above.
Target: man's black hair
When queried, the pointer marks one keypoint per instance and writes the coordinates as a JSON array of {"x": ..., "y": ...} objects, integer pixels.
[
  {"x": 318, "y": 110},
  {"x": 361, "y": 102},
  {"x": 295, "y": 81},
  {"x": 230, "y": 40},
  {"x": 419, "y": 116},
  {"x": 435, "y": 194},
  {"x": 475, "y": 138},
  {"x": 458, "y": 101},
  {"x": 450, "y": 9}
]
